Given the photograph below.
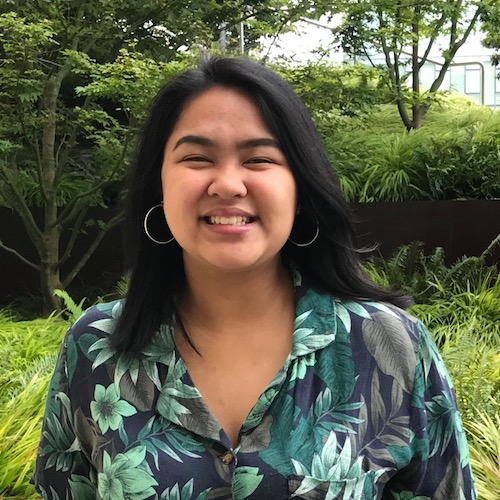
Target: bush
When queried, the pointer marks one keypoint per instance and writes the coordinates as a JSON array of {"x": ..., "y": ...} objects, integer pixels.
[
  {"x": 28, "y": 351},
  {"x": 454, "y": 155}
]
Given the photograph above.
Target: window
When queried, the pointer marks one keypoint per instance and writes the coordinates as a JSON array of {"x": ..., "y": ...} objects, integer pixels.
[{"x": 472, "y": 80}]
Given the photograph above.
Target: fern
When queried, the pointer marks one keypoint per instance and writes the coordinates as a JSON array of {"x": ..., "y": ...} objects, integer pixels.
[{"x": 73, "y": 310}]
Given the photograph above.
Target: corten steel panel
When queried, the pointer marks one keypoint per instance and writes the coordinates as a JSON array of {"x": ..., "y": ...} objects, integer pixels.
[{"x": 460, "y": 227}]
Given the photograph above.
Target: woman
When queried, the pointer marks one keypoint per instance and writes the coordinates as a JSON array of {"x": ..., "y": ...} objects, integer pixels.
[{"x": 252, "y": 357}]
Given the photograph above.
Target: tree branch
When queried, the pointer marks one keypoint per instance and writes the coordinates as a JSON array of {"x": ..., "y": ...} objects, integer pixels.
[
  {"x": 453, "y": 50},
  {"x": 19, "y": 256},
  {"x": 78, "y": 267},
  {"x": 63, "y": 149},
  {"x": 70, "y": 211},
  {"x": 74, "y": 234},
  {"x": 365, "y": 52},
  {"x": 22, "y": 209},
  {"x": 432, "y": 39}
]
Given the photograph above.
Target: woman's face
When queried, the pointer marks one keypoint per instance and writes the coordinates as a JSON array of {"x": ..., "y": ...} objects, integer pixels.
[{"x": 229, "y": 196}]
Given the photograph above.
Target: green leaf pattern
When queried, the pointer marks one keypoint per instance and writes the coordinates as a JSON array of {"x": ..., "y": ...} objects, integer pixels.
[{"x": 362, "y": 409}]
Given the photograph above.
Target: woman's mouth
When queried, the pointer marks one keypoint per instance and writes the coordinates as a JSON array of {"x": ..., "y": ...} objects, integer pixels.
[{"x": 232, "y": 220}]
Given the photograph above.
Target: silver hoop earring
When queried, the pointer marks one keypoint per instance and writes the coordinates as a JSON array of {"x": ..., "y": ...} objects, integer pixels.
[
  {"x": 146, "y": 230},
  {"x": 316, "y": 234}
]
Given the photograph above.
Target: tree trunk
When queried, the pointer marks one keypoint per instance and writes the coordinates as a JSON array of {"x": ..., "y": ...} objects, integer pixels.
[
  {"x": 49, "y": 271},
  {"x": 49, "y": 251}
]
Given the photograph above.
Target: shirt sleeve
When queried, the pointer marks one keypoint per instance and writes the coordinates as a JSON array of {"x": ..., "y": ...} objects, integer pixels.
[
  {"x": 440, "y": 467},
  {"x": 62, "y": 470}
]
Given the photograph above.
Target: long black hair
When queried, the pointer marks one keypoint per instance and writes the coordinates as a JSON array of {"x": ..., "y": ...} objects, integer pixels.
[{"x": 332, "y": 262}]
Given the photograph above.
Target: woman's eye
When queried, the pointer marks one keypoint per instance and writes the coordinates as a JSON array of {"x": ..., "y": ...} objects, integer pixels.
[
  {"x": 196, "y": 158},
  {"x": 259, "y": 160}
]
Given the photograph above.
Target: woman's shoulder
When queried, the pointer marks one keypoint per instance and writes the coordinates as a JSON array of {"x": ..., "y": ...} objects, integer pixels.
[
  {"x": 98, "y": 320},
  {"x": 380, "y": 318}
]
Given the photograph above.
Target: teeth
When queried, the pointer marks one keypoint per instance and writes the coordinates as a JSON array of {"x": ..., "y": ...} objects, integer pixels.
[{"x": 233, "y": 220}]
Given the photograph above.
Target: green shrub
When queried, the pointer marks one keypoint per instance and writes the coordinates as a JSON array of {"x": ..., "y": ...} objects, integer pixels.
[
  {"x": 484, "y": 440},
  {"x": 454, "y": 155},
  {"x": 24, "y": 349},
  {"x": 28, "y": 351},
  {"x": 20, "y": 427}
]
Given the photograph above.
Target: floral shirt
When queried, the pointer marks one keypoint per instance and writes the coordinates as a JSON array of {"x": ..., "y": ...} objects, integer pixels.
[{"x": 363, "y": 408}]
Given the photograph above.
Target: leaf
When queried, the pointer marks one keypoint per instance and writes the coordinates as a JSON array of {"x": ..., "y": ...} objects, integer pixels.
[
  {"x": 145, "y": 431},
  {"x": 136, "y": 456},
  {"x": 284, "y": 437},
  {"x": 151, "y": 369},
  {"x": 141, "y": 394},
  {"x": 343, "y": 316},
  {"x": 357, "y": 308},
  {"x": 104, "y": 325},
  {"x": 401, "y": 455},
  {"x": 363, "y": 416},
  {"x": 246, "y": 481},
  {"x": 123, "y": 434},
  {"x": 452, "y": 483},
  {"x": 259, "y": 438},
  {"x": 160, "y": 445},
  {"x": 390, "y": 345},
  {"x": 335, "y": 366},
  {"x": 392, "y": 440},
  {"x": 88, "y": 433},
  {"x": 377, "y": 406},
  {"x": 380, "y": 454},
  {"x": 81, "y": 487},
  {"x": 199, "y": 419},
  {"x": 71, "y": 357}
]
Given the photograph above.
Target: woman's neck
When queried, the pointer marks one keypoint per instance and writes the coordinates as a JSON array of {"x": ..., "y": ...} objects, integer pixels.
[{"x": 225, "y": 302}]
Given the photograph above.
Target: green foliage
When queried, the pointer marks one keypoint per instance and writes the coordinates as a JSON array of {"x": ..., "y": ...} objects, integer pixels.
[
  {"x": 491, "y": 22},
  {"x": 28, "y": 351},
  {"x": 428, "y": 279},
  {"x": 472, "y": 360},
  {"x": 350, "y": 89},
  {"x": 20, "y": 427},
  {"x": 24, "y": 347},
  {"x": 484, "y": 439},
  {"x": 455, "y": 155},
  {"x": 402, "y": 34},
  {"x": 72, "y": 309}
]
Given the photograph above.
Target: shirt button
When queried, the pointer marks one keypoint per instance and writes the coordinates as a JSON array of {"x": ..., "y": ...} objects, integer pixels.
[{"x": 227, "y": 458}]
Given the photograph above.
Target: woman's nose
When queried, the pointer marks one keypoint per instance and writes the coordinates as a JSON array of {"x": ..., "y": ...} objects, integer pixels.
[{"x": 228, "y": 181}]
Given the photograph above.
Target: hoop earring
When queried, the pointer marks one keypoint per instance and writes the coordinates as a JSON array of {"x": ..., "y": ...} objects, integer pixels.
[
  {"x": 316, "y": 234},
  {"x": 146, "y": 230}
]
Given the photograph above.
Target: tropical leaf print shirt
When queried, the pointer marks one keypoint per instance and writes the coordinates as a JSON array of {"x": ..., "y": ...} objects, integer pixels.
[{"x": 363, "y": 408}]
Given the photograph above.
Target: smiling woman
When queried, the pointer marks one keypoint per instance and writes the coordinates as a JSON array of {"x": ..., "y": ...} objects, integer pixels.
[
  {"x": 252, "y": 358},
  {"x": 229, "y": 193}
]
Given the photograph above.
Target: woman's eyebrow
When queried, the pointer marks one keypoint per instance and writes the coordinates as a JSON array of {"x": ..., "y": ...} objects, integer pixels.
[
  {"x": 193, "y": 139},
  {"x": 248, "y": 143},
  {"x": 260, "y": 141}
]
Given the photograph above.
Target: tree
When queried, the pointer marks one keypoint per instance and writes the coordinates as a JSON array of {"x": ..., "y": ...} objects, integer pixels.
[
  {"x": 491, "y": 26},
  {"x": 404, "y": 32},
  {"x": 75, "y": 78}
]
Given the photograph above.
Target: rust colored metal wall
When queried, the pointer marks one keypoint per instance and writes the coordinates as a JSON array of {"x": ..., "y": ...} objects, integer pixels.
[{"x": 460, "y": 227}]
